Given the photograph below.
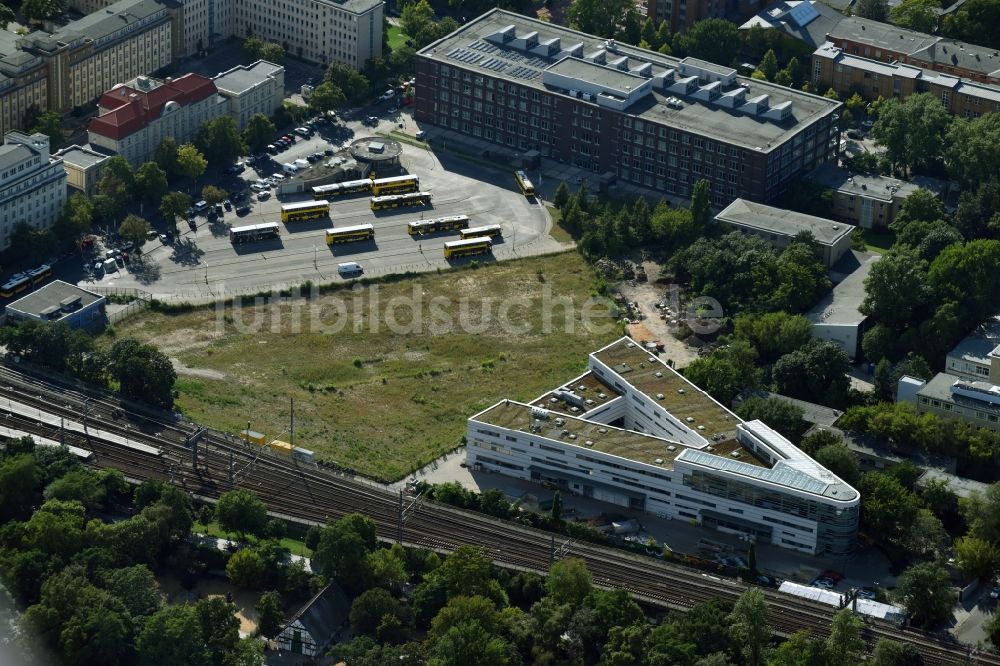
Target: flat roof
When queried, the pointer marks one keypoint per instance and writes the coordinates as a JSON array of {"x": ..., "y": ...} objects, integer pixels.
[
  {"x": 939, "y": 388},
  {"x": 80, "y": 156},
  {"x": 608, "y": 77},
  {"x": 52, "y": 295},
  {"x": 978, "y": 345},
  {"x": 242, "y": 78},
  {"x": 588, "y": 387},
  {"x": 841, "y": 305},
  {"x": 471, "y": 48},
  {"x": 884, "y": 35},
  {"x": 680, "y": 397},
  {"x": 593, "y": 435},
  {"x": 960, "y": 485},
  {"x": 873, "y": 186},
  {"x": 785, "y": 222},
  {"x": 111, "y": 19}
]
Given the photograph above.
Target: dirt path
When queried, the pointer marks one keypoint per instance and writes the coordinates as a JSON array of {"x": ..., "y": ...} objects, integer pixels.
[
  {"x": 653, "y": 328},
  {"x": 204, "y": 373}
]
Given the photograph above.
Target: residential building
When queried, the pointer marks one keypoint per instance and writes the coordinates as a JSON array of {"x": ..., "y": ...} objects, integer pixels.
[
  {"x": 258, "y": 88},
  {"x": 621, "y": 111},
  {"x": 314, "y": 626},
  {"x": 32, "y": 184},
  {"x": 633, "y": 432},
  {"x": 977, "y": 356},
  {"x": 778, "y": 227},
  {"x": 62, "y": 302},
  {"x": 837, "y": 316},
  {"x": 83, "y": 167},
  {"x": 947, "y": 396},
  {"x": 344, "y": 31},
  {"x": 23, "y": 83},
  {"x": 133, "y": 118},
  {"x": 832, "y": 67},
  {"x": 869, "y": 201},
  {"x": 815, "y": 23}
]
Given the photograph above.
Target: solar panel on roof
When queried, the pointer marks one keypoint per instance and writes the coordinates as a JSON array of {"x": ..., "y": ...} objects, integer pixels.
[{"x": 803, "y": 13}]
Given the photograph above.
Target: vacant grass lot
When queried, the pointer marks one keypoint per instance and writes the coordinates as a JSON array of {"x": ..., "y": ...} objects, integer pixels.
[{"x": 382, "y": 401}]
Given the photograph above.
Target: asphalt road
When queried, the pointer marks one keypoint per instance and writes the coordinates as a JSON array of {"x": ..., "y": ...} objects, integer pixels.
[{"x": 203, "y": 265}]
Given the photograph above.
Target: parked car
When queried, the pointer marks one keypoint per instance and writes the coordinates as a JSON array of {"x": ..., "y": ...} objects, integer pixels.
[
  {"x": 387, "y": 95},
  {"x": 328, "y": 151},
  {"x": 371, "y": 120},
  {"x": 165, "y": 239},
  {"x": 263, "y": 196},
  {"x": 227, "y": 204},
  {"x": 420, "y": 135},
  {"x": 242, "y": 210},
  {"x": 854, "y": 134}
]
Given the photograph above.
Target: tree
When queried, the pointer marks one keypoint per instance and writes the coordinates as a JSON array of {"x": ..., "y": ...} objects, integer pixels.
[
  {"x": 80, "y": 485},
  {"x": 974, "y": 22},
  {"x": 343, "y": 549},
  {"x": 370, "y": 607},
  {"x": 976, "y": 557},
  {"x": 166, "y": 155},
  {"x": 568, "y": 581},
  {"x": 213, "y": 195},
  {"x": 701, "y": 203},
  {"x": 220, "y": 629},
  {"x": 19, "y": 480},
  {"x": 219, "y": 140},
  {"x": 79, "y": 215},
  {"x": 241, "y": 511},
  {"x": 269, "y": 615},
  {"x": 892, "y": 653},
  {"x": 816, "y": 372},
  {"x": 175, "y": 205},
  {"x": 773, "y": 334},
  {"x": 920, "y": 206},
  {"x": 136, "y": 588},
  {"x": 887, "y": 508},
  {"x": 117, "y": 182},
  {"x": 769, "y": 65},
  {"x": 801, "y": 649},
  {"x": 780, "y": 414},
  {"x": 258, "y": 133},
  {"x": 326, "y": 97},
  {"x": 926, "y": 593},
  {"x": 897, "y": 290},
  {"x": 245, "y": 569},
  {"x": 912, "y": 130},
  {"x": 713, "y": 39},
  {"x": 959, "y": 274},
  {"x": 134, "y": 229},
  {"x": 388, "y": 566},
  {"x": 918, "y": 15},
  {"x": 350, "y": 81},
  {"x": 876, "y": 10},
  {"x": 190, "y": 162},
  {"x": 604, "y": 19},
  {"x": 748, "y": 626},
  {"x": 50, "y": 124},
  {"x": 150, "y": 182},
  {"x": 7, "y": 16},
  {"x": 172, "y": 637},
  {"x": 273, "y": 52},
  {"x": 841, "y": 461},
  {"x": 143, "y": 372},
  {"x": 556, "y": 507},
  {"x": 36, "y": 11},
  {"x": 561, "y": 196},
  {"x": 845, "y": 646}
]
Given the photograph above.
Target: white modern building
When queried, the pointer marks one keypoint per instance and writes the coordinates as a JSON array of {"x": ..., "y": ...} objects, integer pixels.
[
  {"x": 633, "y": 432},
  {"x": 32, "y": 184},
  {"x": 253, "y": 89},
  {"x": 976, "y": 355}
]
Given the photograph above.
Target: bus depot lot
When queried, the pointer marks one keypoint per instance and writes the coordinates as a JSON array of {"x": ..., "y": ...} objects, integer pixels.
[{"x": 203, "y": 265}]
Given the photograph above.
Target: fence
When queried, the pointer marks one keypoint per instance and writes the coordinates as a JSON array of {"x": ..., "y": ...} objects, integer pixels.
[{"x": 139, "y": 300}]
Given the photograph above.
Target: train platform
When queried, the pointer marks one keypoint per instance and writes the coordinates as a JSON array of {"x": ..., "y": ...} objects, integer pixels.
[{"x": 866, "y": 567}]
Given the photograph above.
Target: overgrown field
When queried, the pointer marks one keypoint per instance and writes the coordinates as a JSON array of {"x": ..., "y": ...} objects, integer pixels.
[{"x": 385, "y": 375}]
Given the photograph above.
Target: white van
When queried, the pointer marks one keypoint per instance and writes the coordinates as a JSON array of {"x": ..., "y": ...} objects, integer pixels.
[
  {"x": 289, "y": 168},
  {"x": 350, "y": 269},
  {"x": 110, "y": 266},
  {"x": 201, "y": 206},
  {"x": 302, "y": 164}
]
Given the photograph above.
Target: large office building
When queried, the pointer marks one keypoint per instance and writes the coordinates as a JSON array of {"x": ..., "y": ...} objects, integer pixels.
[
  {"x": 779, "y": 227},
  {"x": 133, "y": 118},
  {"x": 833, "y": 67},
  {"x": 633, "y": 432},
  {"x": 32, "y": 184},
  {"x": 617, "y": 110},
  {"x": 253, "y": 89}
]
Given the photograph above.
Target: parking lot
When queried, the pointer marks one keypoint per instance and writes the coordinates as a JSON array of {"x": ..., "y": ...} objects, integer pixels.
[{"x": 202, "y": 264}]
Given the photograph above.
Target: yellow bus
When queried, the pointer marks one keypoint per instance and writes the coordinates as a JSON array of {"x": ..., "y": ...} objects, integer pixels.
[
  {"x": 340, "y": 189},
  {"x": 41, "y": 273},
  {"x": 527, "y": 189},
  {"x": 359, "y": 232},
  {"x": 421, "y": 227},
  {"x": 16, "y": 285},
  {"x": 395, "y": 185},
  {"x": 467, "y": 247},
  {"x": 305, "y": 210},
  {"x": 488, "y": 231},
  {"x": 397, "y": 200}
]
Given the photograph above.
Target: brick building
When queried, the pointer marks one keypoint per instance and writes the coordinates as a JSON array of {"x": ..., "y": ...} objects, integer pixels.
[{"x": 621, "y": 111}]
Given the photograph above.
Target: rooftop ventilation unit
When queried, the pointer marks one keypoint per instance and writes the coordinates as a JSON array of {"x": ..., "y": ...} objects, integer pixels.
[
  {"x": 539, "y": 413},
  {"x": 681, "y": 391},
  {"x": 659, "y": 396},
  {"x": 658, "y": 374},
  {"x": 701, "y": 427},
  {"x": 560, "y": 422},
  {"x": 588, "y": 402},
  {"x": 689, "y": 419},
  {"x": 589, "y": 442},
  {"x": 671, "y": 448},
  {"x": 602, "y": 430},
  {"x": 735, "y": 454},
  {"x": 658, "y": 461}
]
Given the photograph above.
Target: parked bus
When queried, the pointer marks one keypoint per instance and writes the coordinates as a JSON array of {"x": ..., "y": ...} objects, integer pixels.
[
  {"x": 488, "y": 231},
  {"x": 340, "y": 189},
  {"x": 467, "y": 247},
  {"x": 41, "y": 273},
  {"x": 397, "y": 200},
  {"x": 395, "y": 185},
  {"x": 359, "y": 232},
  {"x": 421, "y": 227},
  {"x": 17, "y": 284},
  {"x": 254, "y": 232},
  {"x": 304, "y": 210},
  {"x": 527, "y": 189}
]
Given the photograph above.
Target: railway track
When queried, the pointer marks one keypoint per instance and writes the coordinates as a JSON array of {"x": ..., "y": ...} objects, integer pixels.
[{"x": 315, "y": 495}]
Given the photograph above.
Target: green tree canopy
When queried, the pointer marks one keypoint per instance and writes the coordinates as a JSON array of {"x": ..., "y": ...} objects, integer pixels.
[
  {"x": 50, "y": 124},
  {"x": 748, "y": 626},
  {"x": 166, "y": 155},
  {"x": 172, "y": 637},
  {"x": 916, "y": 15},
  {"x": 269, "y": 615},
  {"x": 713, "y": 39},
  {"x": 241, "y": 511},
  {"x": 604, "y": 19},
  {"x": 175, "y": 205},
  {"x": 350, "y": 81},
  {"x": 926, "y": 593},
  {"x": 326, "y": 97},
  {"x": 258, "y": 133},
  {"x": 568, "y": 581},
  {"x": 134, "y": 229},
  {"x": 876, "y": 10},
  {"x": 143, "y": 372},
  {"x": 190, "y": 162},
  {"x": 778, "y": 413},
  {"x": 912, "y": 130},
  {"x": 151, "y": 182},
  {"x": 219, "y": 140},
  {"x": 975, "y": 21}
]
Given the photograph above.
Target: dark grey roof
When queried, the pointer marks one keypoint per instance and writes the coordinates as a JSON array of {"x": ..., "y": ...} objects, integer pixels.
[
  {"x": 881, "y": 35},
  {"x": 13, "y": 153},
  {"x": 780, "y": 221},
  {"x": 324, "y": 613},
  {"x": 840, "y": 305},
  {"x": 111, "y": 19},
  {"x": 242, "y": 77},
  {"x": 52, "y": 295},
  {"x": 778, "y": 16}
]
